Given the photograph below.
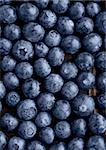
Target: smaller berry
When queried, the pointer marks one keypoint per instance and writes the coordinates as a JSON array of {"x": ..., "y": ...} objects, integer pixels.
[
  {"x": 41, "y": 3},
  {"x": 76, "y": 144},
  {"x": 101, "y": 81},
  {"x": 58, "y": 146},
  {"x": 3, "y": 140},
  {"x": 2, "y": 90},
  {"x": 36, "y": 145},
  {"x": 101, "y": 101}
]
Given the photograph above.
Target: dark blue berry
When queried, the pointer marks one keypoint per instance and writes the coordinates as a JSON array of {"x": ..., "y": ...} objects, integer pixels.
[
  {"x": 36, "y": 145},
  {"x": 58, "y": 146},
  {"x": 76, "y": 144},
  {"x": 3, "y": 140},
  {"x": 55, "y": 56},
  {"x": 2, "y": 90},
  {"x": 42, "y": 3},
  {"x": 2, "y": 2},
  {"x": 62, "y": 109},
  {"x": 101, "y": 101},
  {"x": 26, "y": 109},
  {"x": 83, "y": 105},
  {"x": 101, "y": 81},
  {"x": 53, "y": 83}
]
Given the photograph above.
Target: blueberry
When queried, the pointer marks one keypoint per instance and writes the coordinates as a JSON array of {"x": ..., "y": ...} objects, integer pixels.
[
  {"x": 65, "y": 25},
  {"x": 83, "y": 105},
  {"x": 62, "y": 130},
  {"x": 8, "y": 63},
  {"x": 24, "y": 70},
  {"x": 71, "y": 44},
  {"x": 85, "y": 61},
  {"x": 84, "y": 25},
  {"x": 62, "y": 109},
  {"x": 41, "y": 49},
  {"x": 52, "y": 38},
  {"x": 31, "y": 88},
  {"x": 10, "y": 80},
  {"x": 97, "y": 123},
  {"x": 101, "y": 60},
  {"x": 3, "y": 140},
  {"x": 76, "y": 10},
  {"x": 47, "y": 135},
  {"x": 53, "y": 83},
  {"x": 16, "y": 143},
  {"x": 47, "y": 19},
  {"x": 28, "y": 12},
  {"x": 0, "y": 107},
  {"x": 58, "y": 146},
  {"x": 9, "y": 122},
  {"x": 12, "y": 98},
  {"x": 59, "y": 6},
  {"x": 23, "y": 50},
  {"x": 36, "y": 145},
  {"x": 79, "y": 127},
  {"x": 2, "y": 90},
  {"x": 26, "y": 109},
  {"x": 68, "y": 70},
  {"x": 69, "y": 90},
  {"x": 43, "y": 119},
  {"x": 93, "y": 9},
  {"x": 42, "y": 67},
  {"x": 27, "y": 130},
  {"x": 101, "y": 101},
  {"x": 76, "y": 144},
  {"x": 2, "y": 2},
  {"x": 12, "y": 32},
  {"x": 42, "y": 3},
  {"x": 55, "y": 56},
  {"x": 92, "y": 42},
  {"x": 46, "y": 101},
  {"x": 33, "y": 32},
  {"x": 8, "y": 14},
  {"x": 101, "y": 81},
  {"x": 86, "y": 80},
  {"x": 100, "y": 22},
  {"x": 5, "y": 46},
  {"x": 96, "y": 143}
]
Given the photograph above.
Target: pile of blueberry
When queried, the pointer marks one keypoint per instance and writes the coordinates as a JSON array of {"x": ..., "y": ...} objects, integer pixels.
[{"x": 53, "y": 57}]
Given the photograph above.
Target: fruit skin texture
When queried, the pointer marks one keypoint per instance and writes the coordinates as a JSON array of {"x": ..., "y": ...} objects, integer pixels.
[
  {"x": 24, "y": 70},
  {"x": 0, "y": 107},
  {"x": 96, "y": 142},
  {"x": 31, "y": 88},
  {"x": 97, "y": 123},
  {"x": 41, "y": 3},
  {"x": 79, "y": 127},
  {"x": 47, "y": 19},
  {"x": 45, "y": 101},
  {"x": 33, "y": 32},
  {"x": 54, "y": 83},
  {"x": 27, "y": 130},
  {"x": 55, "y": 56},
  {"x": 65, "y": 25},
  {"x": 43, "y": 119},
  {"x": 27, "y": 109},
  {"x": 68, "y": 70},
  {"x": 16, "y": 142},
  {"x": 100, "y": 22},
  {"x": 42, "y": 67},
  {"x": 12, "y": 99},
  {"x": 101, "y": 101},
  {"x": 92, "y": 42},
  {"x": 2, "y": 90},
  {"x": 28, "y": 12},
  {"x": 71, "y": 44},
  {"x": 22, "y": 50},
  {"x": 101, "y": 81},
  {"x": 62, "y": 130},
  {"x": 85, "y": 61},
  {"x": 47, "y": 135},
  {"x": 36, "y": 145},
  {"x": 83, "y": 105},
  {"x": 58, "y": 146},
  {"x": 76, "y": 144},
  {"x": 69, "y": 90},
  {"x": 62, "y": 109},
  {"x": 3, "y": 140},
  {"x": 9, "y": 122}
]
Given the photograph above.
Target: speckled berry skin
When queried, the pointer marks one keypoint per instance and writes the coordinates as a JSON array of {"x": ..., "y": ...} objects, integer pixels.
[
  {"x": 71, "y": 44},
  {"x": 97, "y": 123},
  {"x": 101, "y": 81},
  {"x": 76, "y": 144},
  {"x": 96, "y": 142},
  {"x": 3, "y": 140},
  {"x": 54, "y": 83},
  {"x": 27, "y": 130},
  {"x": 42, "y": 3},
  {"x": 36, "y": 145},
  {"x": 42, "y": 67},
  {"x": 101, "y": 101},
  {"x": 83, "y": 105},
  {"x": 69, "y": 90},
  {"x": 26, "y": 109},
  {"x": 2, "y": 90},
  {"x": 62, "y": 130},
  {"x": 58, "y": 146}
]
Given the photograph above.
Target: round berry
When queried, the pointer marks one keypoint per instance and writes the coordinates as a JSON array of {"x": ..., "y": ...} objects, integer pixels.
[
  {"x": 36, "y": 145},
  {"x": 2, "y": 90},
  {"x": 3, "y": 140},
  {"x": 42, "y": 3},
  {"x": 76, "y": 144},
  {"x": 101, "y": 81},
  {"x": 58, "y": 146},
  {"x": 101, "y": 101}
]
